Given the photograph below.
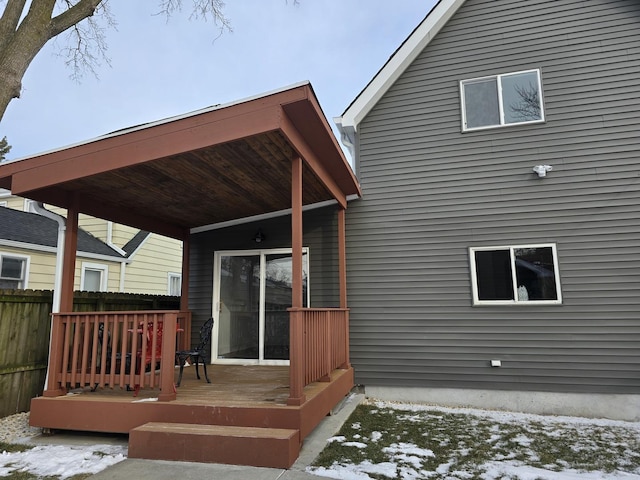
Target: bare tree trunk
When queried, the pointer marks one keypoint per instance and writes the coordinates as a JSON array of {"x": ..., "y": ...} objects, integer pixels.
[{"x": 20, "y": 41}]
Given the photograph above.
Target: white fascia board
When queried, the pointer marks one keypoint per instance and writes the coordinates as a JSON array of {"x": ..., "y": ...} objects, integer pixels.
[
  {"x": 265, "y": 216},
  {"x": 398, "y": 63},
  {"x": 47, "y": 249}
]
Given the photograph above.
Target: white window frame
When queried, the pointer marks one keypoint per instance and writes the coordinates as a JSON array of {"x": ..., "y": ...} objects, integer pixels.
[
  {"x": 217, "y": 266},
  {"x": 25, "y": 267},
  {"x": 500, "y": 101},
  {"x": 104, "y": 275},
  {"x": 171, "y": 276},
  {"x": 515, "y": 301}
]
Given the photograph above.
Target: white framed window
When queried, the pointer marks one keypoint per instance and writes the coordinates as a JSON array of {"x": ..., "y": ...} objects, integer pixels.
[
  {"x": 13, "y": 270},
  {"x": 94, "y": 277},
  {"x": 501, "y": 100},
  {"x": 508, "y": 275},
  {"x": 174, "y": 284}
]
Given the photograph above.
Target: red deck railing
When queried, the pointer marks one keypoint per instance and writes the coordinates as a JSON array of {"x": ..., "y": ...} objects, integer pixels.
[
  {"x": 137, "y": 349},
  {"x": 319, "y": 345},
  {"x": 115, "y": 349}
]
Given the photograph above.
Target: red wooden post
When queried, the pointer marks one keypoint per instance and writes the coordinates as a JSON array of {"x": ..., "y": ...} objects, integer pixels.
[
  {"x": 167, "y": 364},
  {"x": 185, "y": 335},
  {"x": 54, "y": 388},
  {"x": 296, "y": 333},
  {"x": 69, "y": 258},
  {"x": 342, "y": 257}
]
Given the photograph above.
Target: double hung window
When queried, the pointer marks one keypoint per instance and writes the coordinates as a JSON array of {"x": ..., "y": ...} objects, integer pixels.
[
  {"x": 501, "y": 100},
  {"x": 94, "y": 277},
  {"x": 515, "y": 275},
  {"x": 13, "y": 271}
]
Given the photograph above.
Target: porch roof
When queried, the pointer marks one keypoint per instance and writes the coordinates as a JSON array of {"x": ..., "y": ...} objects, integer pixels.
[{"x": 214, "y": 165}]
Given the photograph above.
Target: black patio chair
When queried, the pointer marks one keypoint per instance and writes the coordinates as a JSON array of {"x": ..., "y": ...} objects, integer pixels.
[{"x": 198, "y": 353}]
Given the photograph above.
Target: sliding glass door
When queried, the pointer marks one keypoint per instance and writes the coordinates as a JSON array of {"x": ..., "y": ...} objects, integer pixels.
[{"x": 252, "y": 293}]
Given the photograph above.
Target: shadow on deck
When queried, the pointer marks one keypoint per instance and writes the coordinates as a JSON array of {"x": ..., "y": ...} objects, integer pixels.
[{"x": 241, "y": 417}]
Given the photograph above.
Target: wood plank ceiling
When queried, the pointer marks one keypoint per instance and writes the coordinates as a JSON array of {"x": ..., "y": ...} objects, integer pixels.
[{"x": 239, "y": 177}]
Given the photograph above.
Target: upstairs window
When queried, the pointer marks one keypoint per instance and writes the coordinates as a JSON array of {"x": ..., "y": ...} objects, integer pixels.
[
  {"x": 510, "y": 99},
  {"x": 515, "y": 275},
  {"x": 13, "y": 271}
]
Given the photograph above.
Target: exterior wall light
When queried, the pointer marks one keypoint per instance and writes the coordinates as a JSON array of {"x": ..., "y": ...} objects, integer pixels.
[
  {"x": 542, "y": 170},
  {"x": 259, "y": 238}
]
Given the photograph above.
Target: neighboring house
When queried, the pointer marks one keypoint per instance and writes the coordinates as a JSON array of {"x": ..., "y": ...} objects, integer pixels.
[
  {"x": 477, "y": 274},
  {"x": 111, "y": 257}
]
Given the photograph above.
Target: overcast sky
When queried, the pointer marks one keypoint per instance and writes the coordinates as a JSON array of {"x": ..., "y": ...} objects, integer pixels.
[{"x": 159, "y": 68}]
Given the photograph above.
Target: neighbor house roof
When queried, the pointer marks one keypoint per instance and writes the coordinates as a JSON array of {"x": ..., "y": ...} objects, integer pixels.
[
  {"x": 29, "y": 229},
  {"x": 214, "y": 165},
  {"x": 394, "y": 67}
]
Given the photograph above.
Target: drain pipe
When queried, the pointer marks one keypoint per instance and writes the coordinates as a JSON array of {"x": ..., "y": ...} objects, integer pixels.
[{"x": 38, "y": 207}]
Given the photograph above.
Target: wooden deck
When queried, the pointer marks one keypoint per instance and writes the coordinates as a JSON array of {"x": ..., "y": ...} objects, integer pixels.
[{"x": 238, "y": 396}]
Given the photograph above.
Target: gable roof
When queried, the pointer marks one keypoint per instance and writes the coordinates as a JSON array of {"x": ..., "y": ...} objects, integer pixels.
[
  {"x": 33, "y": 229},
  {"x": 394, "y": 67},
  {"x": 218, "y": 164}
]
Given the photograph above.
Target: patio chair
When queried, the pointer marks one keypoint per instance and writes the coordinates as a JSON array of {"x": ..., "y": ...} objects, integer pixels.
[{"x": 198, "y": 353}]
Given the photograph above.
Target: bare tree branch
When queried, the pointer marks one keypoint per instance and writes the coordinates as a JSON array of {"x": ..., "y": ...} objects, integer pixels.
[
  {"x": 73, "y": 15},
  {"x": 9, "y": 21}
]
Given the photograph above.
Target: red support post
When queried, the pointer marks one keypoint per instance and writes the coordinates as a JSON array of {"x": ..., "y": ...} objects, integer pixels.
[{"x": 296, "y": 333}]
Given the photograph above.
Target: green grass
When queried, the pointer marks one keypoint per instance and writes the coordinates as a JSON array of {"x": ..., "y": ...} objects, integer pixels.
[{"x": 466, "y": 443}]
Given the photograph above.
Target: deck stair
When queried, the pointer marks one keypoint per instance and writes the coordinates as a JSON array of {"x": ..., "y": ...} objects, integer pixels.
[{"x": 253, "y": 446}]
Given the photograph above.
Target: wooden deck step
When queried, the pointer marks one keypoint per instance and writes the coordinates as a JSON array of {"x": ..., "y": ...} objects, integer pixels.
[{"x": 254, "y": 446}]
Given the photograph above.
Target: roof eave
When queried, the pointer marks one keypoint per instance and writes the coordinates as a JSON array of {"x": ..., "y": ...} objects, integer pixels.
[{"x": 397, "y": 64}]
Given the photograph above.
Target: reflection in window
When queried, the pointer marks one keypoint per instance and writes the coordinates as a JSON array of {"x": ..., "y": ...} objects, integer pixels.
[
  {"x": 502, "y": 100},
  {"x": 523, "y": 274}
]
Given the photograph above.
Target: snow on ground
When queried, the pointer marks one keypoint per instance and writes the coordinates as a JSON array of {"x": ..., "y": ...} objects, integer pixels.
[
  {"x": 410, "y": 456},
  {"x": 67, "y": 461},
  {"x": 61, "y": 460}
]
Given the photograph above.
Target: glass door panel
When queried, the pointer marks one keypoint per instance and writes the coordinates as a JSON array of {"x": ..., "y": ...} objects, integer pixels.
[
  {"x": 239, "y": 315},
  {"x": 277, "y": 298}
]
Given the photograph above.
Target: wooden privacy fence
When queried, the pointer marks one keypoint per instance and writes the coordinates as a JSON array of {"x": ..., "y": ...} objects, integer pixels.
[{"x": 25, "y": 320}]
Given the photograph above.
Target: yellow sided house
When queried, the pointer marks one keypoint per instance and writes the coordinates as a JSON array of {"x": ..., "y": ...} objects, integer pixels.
[{"x": 111, "y": 257}]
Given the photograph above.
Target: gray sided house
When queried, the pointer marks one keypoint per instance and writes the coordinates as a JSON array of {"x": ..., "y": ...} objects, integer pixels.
[{"x": 494, "y": 257}]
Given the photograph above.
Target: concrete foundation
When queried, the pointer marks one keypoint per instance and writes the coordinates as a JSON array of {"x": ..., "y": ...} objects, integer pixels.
[{"x": 591, "y": 405}]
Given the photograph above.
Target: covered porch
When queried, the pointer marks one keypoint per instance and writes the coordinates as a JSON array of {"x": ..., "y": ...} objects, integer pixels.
[{"x": 270, "y": 155}]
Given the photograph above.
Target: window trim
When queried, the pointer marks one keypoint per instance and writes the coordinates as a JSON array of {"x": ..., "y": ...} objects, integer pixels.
[
  {"x": 26, "y": 267},
  {"x": 498, "y": 78},
  {"x": 104, "y": 277},
  {"x": 171, "y": 276},
  {"x": 515, "y": 301}
]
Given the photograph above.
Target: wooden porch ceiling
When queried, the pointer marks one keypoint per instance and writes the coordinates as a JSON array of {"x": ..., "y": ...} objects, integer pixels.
[{"x": 211, "y": 166}]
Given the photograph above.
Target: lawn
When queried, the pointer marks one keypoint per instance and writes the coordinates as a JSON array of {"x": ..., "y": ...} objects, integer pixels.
[{"x": 382, "y": 440}]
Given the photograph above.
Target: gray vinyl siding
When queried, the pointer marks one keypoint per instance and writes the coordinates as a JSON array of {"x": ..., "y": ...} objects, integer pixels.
[
  {"x": 319, "y": 234},
  {"x": 430, "y": 192}
]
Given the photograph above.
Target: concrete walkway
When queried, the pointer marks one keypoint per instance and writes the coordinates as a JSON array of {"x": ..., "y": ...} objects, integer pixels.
[{"x": 162, "y": 470}]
